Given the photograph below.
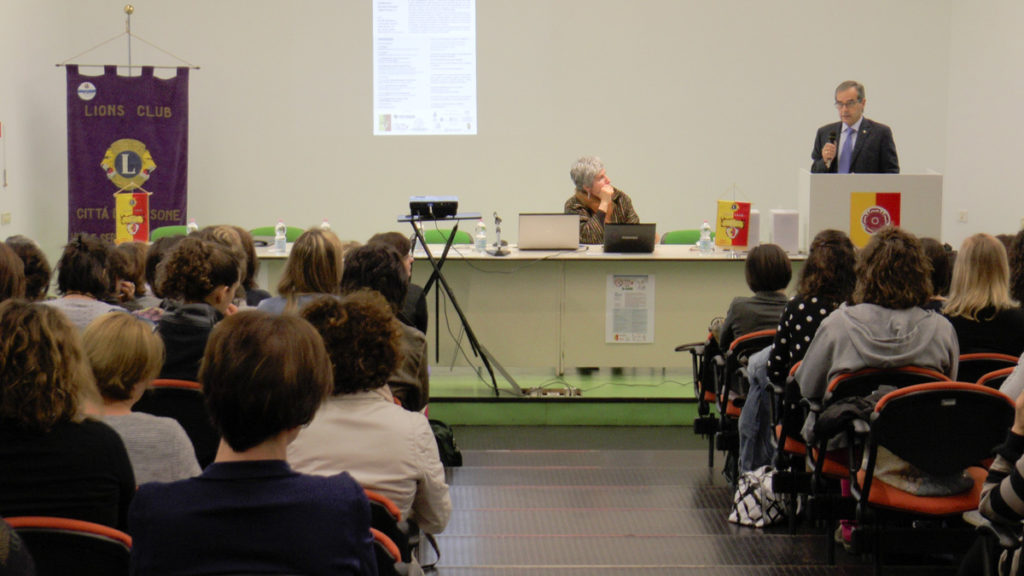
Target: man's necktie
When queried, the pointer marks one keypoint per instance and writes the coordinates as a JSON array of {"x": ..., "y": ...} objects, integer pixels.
[{"x": 846, "y": 153}]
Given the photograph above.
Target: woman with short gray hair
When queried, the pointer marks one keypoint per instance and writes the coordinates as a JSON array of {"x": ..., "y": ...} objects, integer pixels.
[{"x": 596, "y": 201}]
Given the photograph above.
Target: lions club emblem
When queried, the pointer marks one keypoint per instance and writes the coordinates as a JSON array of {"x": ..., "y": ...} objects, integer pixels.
[{"x": 128, "y": 164}]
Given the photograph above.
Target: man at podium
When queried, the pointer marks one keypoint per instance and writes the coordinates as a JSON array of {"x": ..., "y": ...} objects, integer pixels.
[{"x": 855, "y": 144}]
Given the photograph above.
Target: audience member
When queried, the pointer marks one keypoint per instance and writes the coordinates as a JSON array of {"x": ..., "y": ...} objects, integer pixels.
[
  {"x": 253, "y": 293},
  {"x": 53, "y": 461},
  {"x": 826, "y": 281},
  {"x": 85, "y": 280},
  {"x": 15, "y": 559},
  {"x": 265, "y": 376},
  {"x": 203, "y": 276},
  {"x": 1016, "y": 260},
  {"x": 388, "y": 449},
  {"x": 414, "y": 306},
  {"x": 941, "y": 260},
  {"x": 125, "y": 356},
  {"x": 768, "y": 272},
  {"x": 228, "y": 237},
  {"x": 12, "y": 274},
  {"x": 313, "y": 270},
  {"x": 37, "y": 267},
  {"x": 127, "y": 266},
  {"x": 380, "y": 267},
  {"x": 886, "y": 327},
  {"x": 979, "y": 305}
]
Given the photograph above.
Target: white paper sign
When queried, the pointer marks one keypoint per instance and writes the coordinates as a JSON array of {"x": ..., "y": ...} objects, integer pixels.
[
  {"x": 424, "y": 67},
  {"x": 629, "y": 314}
]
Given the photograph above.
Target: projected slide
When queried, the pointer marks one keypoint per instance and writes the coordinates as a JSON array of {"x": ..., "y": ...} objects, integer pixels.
[{"x": 424, "y": 67}]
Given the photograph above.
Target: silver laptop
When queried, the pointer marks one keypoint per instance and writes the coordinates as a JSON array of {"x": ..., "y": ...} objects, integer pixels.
[{"x": 549, "y": 231}]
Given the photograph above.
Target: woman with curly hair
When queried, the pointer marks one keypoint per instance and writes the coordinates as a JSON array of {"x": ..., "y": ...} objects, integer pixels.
[
  {"x": 37, "y": 267},
  {"x": 380, "y": 267},
  {"x": 827, "y": 280},
  {"x": 53, "y": 460},
  {"x": 125, "y": 355},
  {"x": 885, "y": 327},
  {"x": 12, "y": 274},
  {"x": 984, "y": 316},
  {"x": 85, "y": 280},
  {"x": 202, "y": 278},
  {"x": 313, "y": 270},
  {"x": 360, "y": 429}
]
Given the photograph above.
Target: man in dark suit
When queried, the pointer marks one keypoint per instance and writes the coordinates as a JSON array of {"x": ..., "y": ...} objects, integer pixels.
[{"x": 855, "y": 144}]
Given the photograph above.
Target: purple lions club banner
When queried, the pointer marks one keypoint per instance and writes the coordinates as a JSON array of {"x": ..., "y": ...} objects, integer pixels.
[{"x": 126, "y": 134}]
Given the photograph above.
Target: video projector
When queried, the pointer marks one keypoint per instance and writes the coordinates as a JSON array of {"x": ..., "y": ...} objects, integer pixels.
[{"x": 433, "y": 207}]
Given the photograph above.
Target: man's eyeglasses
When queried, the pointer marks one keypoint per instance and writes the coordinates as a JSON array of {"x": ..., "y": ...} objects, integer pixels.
[{"x": 847, "y": 104}]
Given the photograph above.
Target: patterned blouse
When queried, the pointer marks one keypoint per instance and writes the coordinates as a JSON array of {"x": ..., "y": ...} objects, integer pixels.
[
  {"x": 799, "y": 322},
  {"x": 592, "y": 222}
]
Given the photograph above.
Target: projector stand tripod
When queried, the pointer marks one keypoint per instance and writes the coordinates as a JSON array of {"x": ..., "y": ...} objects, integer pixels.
[{"x": 488, "y": 359}]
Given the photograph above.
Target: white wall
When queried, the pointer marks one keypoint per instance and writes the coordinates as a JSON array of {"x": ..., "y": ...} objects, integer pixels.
[
  {"x": 985, "y": 148},
  {"x": 684, "y": 99}
]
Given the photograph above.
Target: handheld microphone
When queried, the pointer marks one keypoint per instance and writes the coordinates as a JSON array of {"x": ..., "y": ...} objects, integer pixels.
[{"x": 831, "y": 140}]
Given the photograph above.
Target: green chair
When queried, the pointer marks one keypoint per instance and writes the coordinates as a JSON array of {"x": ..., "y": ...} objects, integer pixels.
[
  {"x": 292, "y": 234},
  {"x": 441, "y": 236},
  {"x": 683, "y": 237},
  {"x": 164, "y": 231}
]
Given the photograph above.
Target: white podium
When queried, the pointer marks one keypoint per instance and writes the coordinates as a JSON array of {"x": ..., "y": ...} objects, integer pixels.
[{"x": 825, "y": 200}]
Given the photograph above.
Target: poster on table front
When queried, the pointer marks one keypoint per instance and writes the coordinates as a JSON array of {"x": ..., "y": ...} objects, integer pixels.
[
  {"x": 629, "y": 309},
  {"x": 127, "y": 135}
]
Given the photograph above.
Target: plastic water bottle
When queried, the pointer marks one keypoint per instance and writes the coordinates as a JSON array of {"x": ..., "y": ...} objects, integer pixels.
[
  {"x": 191, "y": 226},
  {"x": 704, "y": 244},
  {"x": 325, "y": 225},
  {"x": 480, "y": 237},
  {"x": 280, "y": 237}
]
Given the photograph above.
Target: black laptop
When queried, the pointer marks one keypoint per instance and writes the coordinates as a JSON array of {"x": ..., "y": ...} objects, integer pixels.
[{"x": 629, "y": 238}]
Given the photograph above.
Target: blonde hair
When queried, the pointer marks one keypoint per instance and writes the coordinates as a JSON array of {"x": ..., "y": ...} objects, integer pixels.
[
  {"x": 981, "y": 279},
  {"x": 123, "y": 352},
  {"x": 313, "y": 267}
]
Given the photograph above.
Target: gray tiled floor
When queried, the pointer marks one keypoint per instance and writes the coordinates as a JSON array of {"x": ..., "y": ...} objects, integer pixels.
[{"x": 604, "y": 500}]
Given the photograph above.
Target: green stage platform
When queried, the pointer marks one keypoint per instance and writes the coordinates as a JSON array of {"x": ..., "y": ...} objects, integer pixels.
[{"x": 597, "y": 397}]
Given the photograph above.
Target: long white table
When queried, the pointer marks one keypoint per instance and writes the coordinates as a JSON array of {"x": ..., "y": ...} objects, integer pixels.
[{"x": 536, "y": 309}]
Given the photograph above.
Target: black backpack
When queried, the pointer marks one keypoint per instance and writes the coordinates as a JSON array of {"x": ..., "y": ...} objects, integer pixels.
[{"x": 450, "y": 454}]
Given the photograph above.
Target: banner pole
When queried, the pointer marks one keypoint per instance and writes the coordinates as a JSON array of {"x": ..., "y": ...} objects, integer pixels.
[{"x": 129, "y": 10}]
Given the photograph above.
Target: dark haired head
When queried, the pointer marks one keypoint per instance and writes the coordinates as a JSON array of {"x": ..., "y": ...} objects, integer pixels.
[
  {"x": 85, "y": 267},
  {"x": 377, "y": 267},
  {"x": 263, "y": 374},
  {"x": 155, "y": 255},
  {"x": 195, "y": 268},
  {"x": 396, "y": 240},
  {"x": 12, "y": 274},
  {"x": 37, "y": 267},
  {"x": 828, "y": 272},
  {"x": 942, "y": 267},
  {"x": 892, "y": 271},
  {"x": 252, "y": 262},
  {"x": 768, "y": 268},
  {"x": 362, "y": 336}
]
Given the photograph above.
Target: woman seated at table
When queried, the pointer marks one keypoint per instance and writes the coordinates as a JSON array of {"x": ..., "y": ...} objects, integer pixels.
[
  {"x": 596, "y": 201},
  {"x": 264, "y": 378},
  {"x": 53, "y": 460}
]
